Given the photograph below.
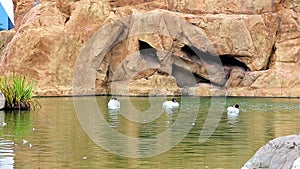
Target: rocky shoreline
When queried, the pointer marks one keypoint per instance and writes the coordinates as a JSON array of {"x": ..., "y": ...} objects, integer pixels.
[{"x": 137, "y": 48}]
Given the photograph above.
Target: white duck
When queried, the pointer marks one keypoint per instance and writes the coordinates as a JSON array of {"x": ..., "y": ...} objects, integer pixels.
[
  {"x": 170, "y": 104},
  {"x": 233, "y": 110},
  {"x": 113, "y": 104}
]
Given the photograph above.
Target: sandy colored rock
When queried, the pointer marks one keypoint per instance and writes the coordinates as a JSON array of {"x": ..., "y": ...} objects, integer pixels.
[{"x": 205, "y": 47}]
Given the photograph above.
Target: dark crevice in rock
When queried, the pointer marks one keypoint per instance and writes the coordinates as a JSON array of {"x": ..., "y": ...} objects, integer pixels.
[
  {"x": 272, "y": 54},
  {"x": 190, "y": 53},
  {"x": 108, "y": 73},
  {"x": 144, "y": 45},
  {"x": 198, "y": 56},
  {"x": 228, "y": 60},
  {"x": 230, "y": 63},
  {"x": 186, "y": 78},
  {"x": 206, "y": 60},
  {"x": 148, "y": 53},
  {"x": 67, "y": 19}
]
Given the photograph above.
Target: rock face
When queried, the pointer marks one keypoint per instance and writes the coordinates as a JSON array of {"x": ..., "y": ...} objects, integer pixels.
[
  {"x": 280, "y": 153},
  {"x": 136, "y": 47}
]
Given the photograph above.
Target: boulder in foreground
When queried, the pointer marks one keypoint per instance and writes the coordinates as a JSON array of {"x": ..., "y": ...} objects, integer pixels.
[{"x": 280, "y": 153}]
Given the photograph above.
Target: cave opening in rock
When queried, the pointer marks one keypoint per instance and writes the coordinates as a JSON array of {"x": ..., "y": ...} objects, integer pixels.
[
  {"x": 204, "y": 60},
  {"x": 185, "y": 78},
  {"x": 230, "y": 61},
  {"x": 198, "y": 56},
  {"x": 190, "y": 53},
  {"x": 144, "y": 45},
  {"x": 148, "y": 53}
]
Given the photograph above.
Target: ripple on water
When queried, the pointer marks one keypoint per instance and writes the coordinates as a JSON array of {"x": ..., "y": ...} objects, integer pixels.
[
  {"x": 6, "y": 154},
  {"x": 59, "y": 140}
]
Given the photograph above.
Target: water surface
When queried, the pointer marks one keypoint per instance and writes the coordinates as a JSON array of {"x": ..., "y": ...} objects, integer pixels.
[{"x": 54, "y": 137}]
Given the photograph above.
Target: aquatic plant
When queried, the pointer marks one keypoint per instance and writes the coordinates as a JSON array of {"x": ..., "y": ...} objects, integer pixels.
[{"x": 17, "y": 91}]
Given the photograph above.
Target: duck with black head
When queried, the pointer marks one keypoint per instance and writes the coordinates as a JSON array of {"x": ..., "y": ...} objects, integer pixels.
[
  {"x": 113, "y": 104},
  {"x": 233, "y": 110},
  {"x": 170, "y": 104}
]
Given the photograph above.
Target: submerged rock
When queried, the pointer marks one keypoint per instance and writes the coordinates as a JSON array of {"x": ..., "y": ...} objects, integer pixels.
[{"x": 280, "y": 153}]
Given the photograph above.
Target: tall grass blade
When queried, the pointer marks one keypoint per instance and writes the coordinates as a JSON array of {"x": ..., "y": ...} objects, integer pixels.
[{"x": 17, "y": 91}]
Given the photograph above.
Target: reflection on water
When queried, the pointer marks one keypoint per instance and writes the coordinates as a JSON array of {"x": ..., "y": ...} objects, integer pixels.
[
  {"x": 6, "y": 147},
  {"x": 113, "y": 118},
  {"x": 6, "y": 154},
  {"x": 57, "y": 140}
]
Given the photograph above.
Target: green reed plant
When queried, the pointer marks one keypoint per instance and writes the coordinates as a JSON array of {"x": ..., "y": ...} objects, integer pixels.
[{"x": 18, "y": 91}]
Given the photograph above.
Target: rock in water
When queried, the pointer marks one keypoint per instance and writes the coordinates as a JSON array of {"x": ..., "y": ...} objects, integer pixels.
[
  {"x": 296, "y": 164},
  {"x": 280, "y": 153}
]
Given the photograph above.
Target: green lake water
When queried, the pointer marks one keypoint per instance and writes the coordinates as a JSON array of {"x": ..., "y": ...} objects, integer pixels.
[{"x": 83, "y": 133}]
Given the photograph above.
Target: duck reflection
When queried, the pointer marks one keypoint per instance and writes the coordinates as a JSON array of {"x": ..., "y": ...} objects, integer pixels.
[
  {"x": 170, "y": 117},
  {"x": 232, "y": 120},
  {"x": 113, "y": 118},
  {"x": 6, "y": 154}
]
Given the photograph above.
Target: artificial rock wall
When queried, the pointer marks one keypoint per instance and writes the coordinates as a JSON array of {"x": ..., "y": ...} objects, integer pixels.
[{"x": 162, "y": 47}]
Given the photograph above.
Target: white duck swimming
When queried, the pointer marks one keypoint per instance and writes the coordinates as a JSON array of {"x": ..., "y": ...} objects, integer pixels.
[
  {"x": 171, "y": 104},
  {"x": 233, "y": 110},
  {"x": 113, "y": 104}
]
